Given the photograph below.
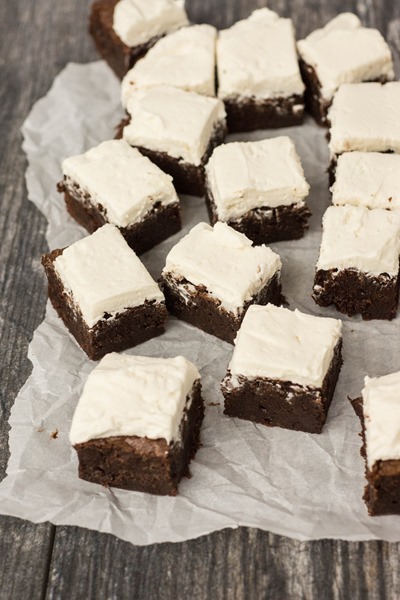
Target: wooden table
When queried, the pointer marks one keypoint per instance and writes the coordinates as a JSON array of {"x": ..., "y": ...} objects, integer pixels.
[{"x": 38, "y": 38}]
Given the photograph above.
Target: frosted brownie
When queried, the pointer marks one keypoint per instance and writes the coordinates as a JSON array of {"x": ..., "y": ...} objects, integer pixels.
[
  {"x": 358, "y": 265},
  {"x": 284, "y": 369},
  {"x": 214, "y": 274},
  {"x": 370, "y": 179},
  {"x": 104, "y": 294},
  {"x": 124, "y": 30},
  {"x": 258, "y": 188},
  {"x": 341, "y": 52},
  {"x": 379, "y": 410},
  {"x": 184, "y": 59},
  {"x": 177, "y": 130},
  {"x": 137, "y": 423},
  {"x": 258, "y": 73},
  {"x": 114, "y": 183}
]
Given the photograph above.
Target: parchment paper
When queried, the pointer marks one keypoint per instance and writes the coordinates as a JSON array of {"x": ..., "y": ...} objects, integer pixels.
[{"x": 296, "y": 484}]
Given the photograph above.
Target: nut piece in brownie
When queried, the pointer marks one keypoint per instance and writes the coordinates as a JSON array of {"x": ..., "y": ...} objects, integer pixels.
[
  {"x": 114, "y": 183},
  {"x": 104, "y": 294},
  {"x": 370, "y": 179},
  {"x": 284, "y": 369},
  {"x": 137, "y": 423},
  {"x": 341, "y": 52},
  {"x": 214, "y": 274},
  {"x": 184, "y": 59},
  {"x": 258, "y": 73},
  {"x": 177, "y": 130},
  {"x": 379, "y": 413},
  {"x": 358, "y": 265},
  {"x": 124, "y": 30},
  {"x": 258, "y": 188}
]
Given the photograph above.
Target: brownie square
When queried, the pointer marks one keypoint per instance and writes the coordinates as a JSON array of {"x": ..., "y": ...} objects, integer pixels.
[
  {"x": 258, "y": 188},
  {"x": 358, "y": 266},
  {"x": 177, "y": 130},
  {"x": 104, "y": 294},
  {"x": 378, "y": 410},
  {"x": 258, "y": 73},
  {"x": 284, "y": 369},
  {"x": 114, "y": 183},
  {"x": 341, "y": 52},
  {"x": 137, "y": 423},
  {"x": 122, "y": 37},
  {"x": 214, "y": 274}
]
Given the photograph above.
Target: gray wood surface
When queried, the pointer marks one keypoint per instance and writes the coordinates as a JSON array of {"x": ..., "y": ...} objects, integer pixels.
[{"x": 37, "y": 38}]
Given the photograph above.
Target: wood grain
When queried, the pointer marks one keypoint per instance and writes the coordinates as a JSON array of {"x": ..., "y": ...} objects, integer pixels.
[{"x": 37, "y": 39}]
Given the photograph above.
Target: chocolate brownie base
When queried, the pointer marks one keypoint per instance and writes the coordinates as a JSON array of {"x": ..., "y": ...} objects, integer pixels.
[
  {"x": 188, "y": 178},
  {"x": 382, "y": 492},
  {"x": 142, "y": 464},
  {"x": 160, "y": 222},
  {"x": 265, "y": 225},
  {"x": 284, "y": 404},
  {"x": 111, "y": 334},
  {"x": 196, "y": 306},
  {"x": 111, "y": 48},
  {"x": 248, "y": 114},
  {"x": 353, "y": 292}
]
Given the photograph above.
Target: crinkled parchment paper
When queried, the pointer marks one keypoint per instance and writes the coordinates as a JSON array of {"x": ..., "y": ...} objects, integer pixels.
[{"x": 295, "y": 484}]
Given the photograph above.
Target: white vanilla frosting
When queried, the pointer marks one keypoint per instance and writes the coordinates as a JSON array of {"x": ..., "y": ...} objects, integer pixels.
[
  {"x": 125, "y": 183},
  {"x": 381, "y": 408},
  {"x": 134, "y": 396},
  {"x": 184, "y": 59},
  {"x": 365, "y": 117},
  {"x": 246, "y": 175},
  {"x": 358, "y": 238},
  {"x": 369, "y": 179},
  {"x": 138, "y": 21},
  {"x": 257, "y": 57},
  {"x": 167, "y": 119},
  {"x": 225, "y": 262},
  {"x": 346, "y": 52},
  {"x": 103, "y": 275},
  {"x": 278, "y": 343}
]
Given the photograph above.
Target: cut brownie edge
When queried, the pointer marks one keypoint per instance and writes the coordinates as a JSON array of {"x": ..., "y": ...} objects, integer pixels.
[
  {"x": 248, "y": 114},
  {"x": 353, "y": 292},
  {"x": 130, "y": 328},
  {"x": 157, "y": 225},
  {"x": 143, "y": 464},
  {"x": 276, "y": 403}
]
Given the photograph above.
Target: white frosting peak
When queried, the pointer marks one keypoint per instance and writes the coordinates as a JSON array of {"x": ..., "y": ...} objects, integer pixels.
[
  {"x": 134, "y": 396},
  {"x": 381, "y": 407},
  {"x": 247, "y": 175},
  {"x": 184, "y": 59},
  {"x": 257, "y": 57},
  {"x": 167, "y": 119},
  {"x": 225, "y": 262},
  {"x": 138, "y": 21},
  {"x": 103, "y": 275},
  {"x": 278, "y": 343},
  {"x": 346, "y": 52},
  {"x": 125, "y": 183},
  {"x": 355, "y": 237}
]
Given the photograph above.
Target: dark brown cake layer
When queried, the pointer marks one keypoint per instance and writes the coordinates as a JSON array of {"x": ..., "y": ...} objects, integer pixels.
[
  {"x": 248, "y": 114},
  {"x": 188, "y": 178},
  {"x": 265, "y": 225},
  {"x": 282, "y": 403},
  {"x": 382, "y": 492},
  {"x": 352, "y": 292},
  {"x": 142, "y": 464},
  {"x": 159, "y": 223},
  {"x": 204, "y": 311},
  {"x": 125, "y": 330},
  {"x": 111, "y": 48}
]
